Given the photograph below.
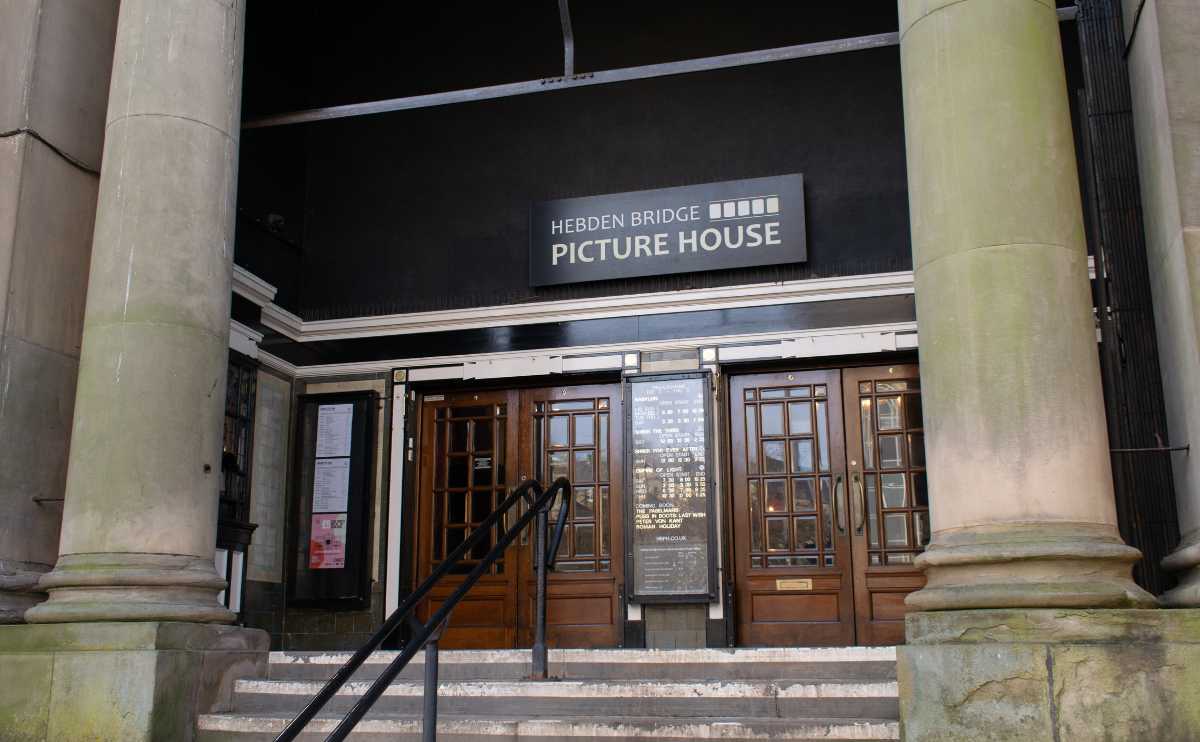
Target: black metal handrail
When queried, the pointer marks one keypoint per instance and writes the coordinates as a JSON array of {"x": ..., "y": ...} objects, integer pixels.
[{"x": 540, "y": 503}]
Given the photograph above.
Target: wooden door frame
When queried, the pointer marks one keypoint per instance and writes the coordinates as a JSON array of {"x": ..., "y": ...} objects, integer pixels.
[
  {"x": 422, "y": 520},
  {"x": 834, "y": 581},
  {"x": 883, "y": 579},
  {"x": 725, "y": 372},
  {"x": 566, "y": 582}
]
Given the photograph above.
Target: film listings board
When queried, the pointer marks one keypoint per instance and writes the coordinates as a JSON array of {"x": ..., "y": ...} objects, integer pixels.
[{"x": 671, "y": 518}]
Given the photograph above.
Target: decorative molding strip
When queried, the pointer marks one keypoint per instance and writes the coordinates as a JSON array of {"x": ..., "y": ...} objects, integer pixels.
[
  {"x": 243, "y": 339},
  {"x": 275, "y": 363},
  {"x": 825, "y": 341},
  {"x": 250, "y": 286},
  {"x": 568, "y": 310},
  {"x": 665, "y": 302},
  {"x": 282, "y": 321}
]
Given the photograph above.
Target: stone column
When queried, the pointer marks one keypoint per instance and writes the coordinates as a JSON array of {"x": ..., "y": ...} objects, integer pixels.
[
  {"x": 1164, "y": 77},
  {"x": 139, "y": 524},
  {"x": 1026, "y": 628},
  {"x": 1021, "y": 490}
]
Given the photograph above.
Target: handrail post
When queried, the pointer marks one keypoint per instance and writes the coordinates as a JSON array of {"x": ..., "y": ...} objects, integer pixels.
[
  {"x": 429, "y": 715},
  {"x": 540, "y": 670},
  {"x": 429, "y": 711},
  {"x": 429, "y": 719}
]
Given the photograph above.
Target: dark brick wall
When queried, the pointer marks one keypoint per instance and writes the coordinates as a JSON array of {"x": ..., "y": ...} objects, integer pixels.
[{"x": 309, "y": 628}]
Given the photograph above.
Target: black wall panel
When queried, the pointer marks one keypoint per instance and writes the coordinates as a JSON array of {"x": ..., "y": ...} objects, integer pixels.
[{"x": 429, "y": 209}]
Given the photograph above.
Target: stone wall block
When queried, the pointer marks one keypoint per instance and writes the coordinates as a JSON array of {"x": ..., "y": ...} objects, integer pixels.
[
  {"x": 51, "y": 251},
  {"x": 70, "y": 76},
  {"x": 179, "y": 58},
  {"x": 1113, "y": 675},
  {"x": 12, "y": 156},
  {"x": 18, "y": 36},
  {"x": 974, "y": 692},
  {"x": 37, "y": 393},
  {"x": 25, "y": 705},
  {"x": 134, "y": 682}
]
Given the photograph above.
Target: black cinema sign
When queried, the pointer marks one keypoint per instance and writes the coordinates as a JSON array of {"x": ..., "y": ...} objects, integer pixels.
[{"x": 714, "y": 226}]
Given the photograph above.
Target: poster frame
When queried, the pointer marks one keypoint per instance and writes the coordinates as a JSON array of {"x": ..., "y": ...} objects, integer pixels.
[
  {"x": 348, "y": 587},
  {"x": 709, "y": 495}
]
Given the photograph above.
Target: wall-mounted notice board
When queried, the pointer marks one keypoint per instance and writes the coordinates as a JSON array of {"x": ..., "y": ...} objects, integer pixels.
[
  {"x": 670, "y": 521},
  {"x": 333, "y": 476}
]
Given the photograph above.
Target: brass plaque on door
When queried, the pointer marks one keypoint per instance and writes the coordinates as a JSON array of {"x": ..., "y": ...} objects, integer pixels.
[{"x": 796, "y": 584}]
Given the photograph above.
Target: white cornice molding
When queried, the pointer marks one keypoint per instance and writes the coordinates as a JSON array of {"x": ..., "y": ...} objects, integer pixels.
[
  {"x": 243, "y": 339},
  {"x": 506, "y": 315},
  {"x": 284, "y": 322},
  {"x": 539, "y": 361},
  {"x": 275, "y": 363},
  {"x": 250, "y": 286},
  {"x": 569, "y": 310}
]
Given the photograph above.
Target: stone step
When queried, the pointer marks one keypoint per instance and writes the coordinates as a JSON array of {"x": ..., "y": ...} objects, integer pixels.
[
  {"x": 264, "y": 727},
  {"x": 604, "y": 698},
  {"x": 793, "y": 663}
]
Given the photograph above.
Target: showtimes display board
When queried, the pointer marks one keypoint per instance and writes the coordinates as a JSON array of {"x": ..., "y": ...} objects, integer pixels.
[
  {"x": 670, "y": 520},
  {"x": 332, "y": 493}
]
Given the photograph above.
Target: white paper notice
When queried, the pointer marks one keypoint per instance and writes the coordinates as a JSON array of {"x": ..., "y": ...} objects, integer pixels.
[
  {"x": 333, "y": 429},
  {"x": 331, "y": 486}
]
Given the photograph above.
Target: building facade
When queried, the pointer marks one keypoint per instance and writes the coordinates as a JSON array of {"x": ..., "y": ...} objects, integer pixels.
[{"x": 870, "y": 325}]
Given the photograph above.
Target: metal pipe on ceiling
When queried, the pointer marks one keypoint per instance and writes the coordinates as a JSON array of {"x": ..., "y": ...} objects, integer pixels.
[
  {"x": 624, "y": 74},
  {"x": 564, "y": 15}
]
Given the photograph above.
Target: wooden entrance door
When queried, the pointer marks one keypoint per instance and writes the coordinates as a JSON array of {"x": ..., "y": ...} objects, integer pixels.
[
  {"x": 475, "y": 447},
  {"x": 575, "y": 431},
  {"x": 889, "y": 495},
  {"x": 792, "y": 552},
  {"x": 468, "y": 463}
]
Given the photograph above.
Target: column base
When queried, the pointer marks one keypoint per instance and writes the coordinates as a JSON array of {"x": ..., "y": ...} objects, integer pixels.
[
  {"x": 1186, "y": 561},
  {"x": 1029, "y": 565},
  {"x": 131, "y": 587},
  {"x": 1116, "y": 675},
  {"x": 136, "y": 682},
  {"x": 19, "y": 589}
]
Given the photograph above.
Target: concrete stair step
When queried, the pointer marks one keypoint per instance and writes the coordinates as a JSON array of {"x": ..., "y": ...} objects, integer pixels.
[
  {"x": 607, "y": 698},
  {"x": 264, "y": 727},
  {"x": 798, "y": 663}
]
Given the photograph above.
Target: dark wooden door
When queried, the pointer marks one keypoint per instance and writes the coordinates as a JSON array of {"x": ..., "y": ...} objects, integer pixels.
[
  {"x": 575, "y": 431},
  {"x": 467, "y": 465},
  {"x": 792, "y": 552},
  {"x": 889, "y": 495}
]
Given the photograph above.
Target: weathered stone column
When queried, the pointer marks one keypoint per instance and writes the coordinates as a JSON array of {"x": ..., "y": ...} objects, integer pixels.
[
  {"x": 1022, "y": 501},
  {"x": 1024, "y": 630},
  {"x": 139, "y": 524},
  {"x": 1164, "y": 78}
]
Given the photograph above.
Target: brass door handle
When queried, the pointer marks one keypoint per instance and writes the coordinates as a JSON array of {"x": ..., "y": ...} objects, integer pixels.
[
  {"x": 839, "y": 489},
  {"x": 860, "y": 518}
]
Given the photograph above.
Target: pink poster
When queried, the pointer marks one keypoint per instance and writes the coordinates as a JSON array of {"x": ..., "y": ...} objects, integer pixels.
[{"x": 327, "y": 541}]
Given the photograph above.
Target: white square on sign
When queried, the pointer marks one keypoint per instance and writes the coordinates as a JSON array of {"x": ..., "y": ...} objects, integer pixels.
[
  {"x": 714, "y": 211},
  {"x": 773, "y": 205},
  {"x": 728, "y": 208},
  {"x": 743, "y": 208},
  {"x": 757, "y": 206}
]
